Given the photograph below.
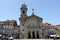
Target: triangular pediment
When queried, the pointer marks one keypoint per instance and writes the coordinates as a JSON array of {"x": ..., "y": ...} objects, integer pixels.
[{"x": 34, "y": 16}]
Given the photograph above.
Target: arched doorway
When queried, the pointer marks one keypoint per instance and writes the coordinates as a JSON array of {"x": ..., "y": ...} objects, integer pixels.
[
  {"x": 29, "y": 35},
  {"x": 33, "y": 35},
  {"x": 37, "y": 34}
]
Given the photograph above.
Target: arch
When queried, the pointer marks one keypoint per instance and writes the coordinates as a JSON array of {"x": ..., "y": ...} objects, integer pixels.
[
  {"x": 29, "y": 34},
  {"x": 37, "y": 34},
  {"x": 33, "y": 34}
]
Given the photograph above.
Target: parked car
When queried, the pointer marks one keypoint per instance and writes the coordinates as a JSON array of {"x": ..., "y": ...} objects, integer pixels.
[{"x": 10, "y": 38}]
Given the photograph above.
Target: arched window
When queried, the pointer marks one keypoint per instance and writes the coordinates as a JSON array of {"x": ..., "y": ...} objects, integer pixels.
[{"x": 23, "y": 11}]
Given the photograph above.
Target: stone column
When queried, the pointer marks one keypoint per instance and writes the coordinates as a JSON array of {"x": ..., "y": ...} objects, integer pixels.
[
  {"x": 35, "y": 35},
  {"x": 39, "y": 34}
]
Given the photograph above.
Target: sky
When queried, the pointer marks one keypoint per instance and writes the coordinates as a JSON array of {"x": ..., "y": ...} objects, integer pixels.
[{"x": 49, "y": 10}]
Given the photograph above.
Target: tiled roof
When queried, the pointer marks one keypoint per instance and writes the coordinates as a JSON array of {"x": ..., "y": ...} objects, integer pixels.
[
  {"x": 8, "y": 21},
  {"x": 13, "y": 21},
  {"x": 47, "y": 24}
]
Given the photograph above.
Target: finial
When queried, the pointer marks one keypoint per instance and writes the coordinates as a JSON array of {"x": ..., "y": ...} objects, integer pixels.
[
  {"x": 24, "y": 2},
  {"x": 32, "y": 11},
  {"x": 24, "y": 5}
]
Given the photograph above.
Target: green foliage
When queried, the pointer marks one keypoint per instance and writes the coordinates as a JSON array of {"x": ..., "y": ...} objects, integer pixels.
[{"x": 58, "y": 32}]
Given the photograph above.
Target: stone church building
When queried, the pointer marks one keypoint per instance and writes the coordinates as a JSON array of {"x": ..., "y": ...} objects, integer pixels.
[{"x": 30, "y": 26}]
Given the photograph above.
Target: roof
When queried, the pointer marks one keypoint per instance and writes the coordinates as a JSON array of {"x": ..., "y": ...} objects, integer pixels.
[
  {"x": 34, "y": 16},
  {"x": 47, "y": 24},
  {"x": 13, "y": 21},
  {"x": 8, "y": 21}
]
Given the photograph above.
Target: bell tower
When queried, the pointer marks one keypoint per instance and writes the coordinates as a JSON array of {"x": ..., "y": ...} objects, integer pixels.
[
  {"x": 23, "y": 10},
  {"x": 23, "y": 14},
  {"x": 22, "y": 19}
]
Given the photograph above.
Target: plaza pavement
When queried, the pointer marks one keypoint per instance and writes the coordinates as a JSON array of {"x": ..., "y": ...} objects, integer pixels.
[{"x": 33, "y": 39}]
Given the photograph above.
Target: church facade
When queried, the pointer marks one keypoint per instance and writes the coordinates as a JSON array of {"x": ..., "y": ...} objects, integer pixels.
[{"x": 30, "y": 26}]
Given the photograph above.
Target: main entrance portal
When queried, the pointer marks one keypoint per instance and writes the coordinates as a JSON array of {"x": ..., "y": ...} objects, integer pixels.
[{"x": 33, "y": 35}]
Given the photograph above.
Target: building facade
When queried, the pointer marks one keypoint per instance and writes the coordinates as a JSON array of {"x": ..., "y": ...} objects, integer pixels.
[
  {"x": 48, "y": 30},
  {"x": 30, "y": 26},
  {"x": 8, "y": 28}
]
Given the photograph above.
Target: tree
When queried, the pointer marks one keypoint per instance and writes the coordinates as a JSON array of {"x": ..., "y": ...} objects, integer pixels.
[{"x": 58, "y": 31}]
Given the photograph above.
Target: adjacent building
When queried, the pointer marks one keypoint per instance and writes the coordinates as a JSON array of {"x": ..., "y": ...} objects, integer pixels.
[
  {"x": 48, "y": 29},
  {"x": 8, "y": 28}
]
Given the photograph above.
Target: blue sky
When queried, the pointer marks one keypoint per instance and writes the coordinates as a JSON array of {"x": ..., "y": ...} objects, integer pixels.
[{"x": 49, "y": 10}]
